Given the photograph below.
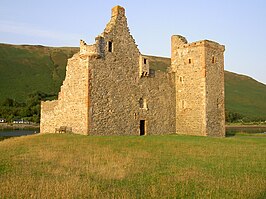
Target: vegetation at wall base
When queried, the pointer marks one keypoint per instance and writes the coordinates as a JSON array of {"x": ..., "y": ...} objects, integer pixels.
[{"x": 75, "y": 166}]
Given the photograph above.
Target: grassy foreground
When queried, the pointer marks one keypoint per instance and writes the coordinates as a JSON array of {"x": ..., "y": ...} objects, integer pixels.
[{"x": 73, "y": 166}]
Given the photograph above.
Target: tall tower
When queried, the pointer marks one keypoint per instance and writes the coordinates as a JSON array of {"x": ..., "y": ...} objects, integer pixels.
[{"x": 199, "y": 71}]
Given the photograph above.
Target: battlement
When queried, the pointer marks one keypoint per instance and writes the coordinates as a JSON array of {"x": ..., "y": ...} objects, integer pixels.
[{"x": 206, "y": 43}]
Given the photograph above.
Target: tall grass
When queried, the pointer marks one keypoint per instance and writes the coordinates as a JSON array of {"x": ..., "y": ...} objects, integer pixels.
[{"x": 73, "y": 166}]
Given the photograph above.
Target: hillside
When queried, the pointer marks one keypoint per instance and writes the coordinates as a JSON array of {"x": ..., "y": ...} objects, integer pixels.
[
  {"x": 26, "y": 69},
  {"x": 245, "y": 95}
]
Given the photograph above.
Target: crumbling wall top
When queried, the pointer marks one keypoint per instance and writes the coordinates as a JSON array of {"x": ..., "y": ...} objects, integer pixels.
[
  {"x": 178, "y": 40},
  {"x": 118, "y": 10}
]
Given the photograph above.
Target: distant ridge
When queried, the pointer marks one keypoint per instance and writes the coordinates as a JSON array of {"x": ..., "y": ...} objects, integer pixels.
[{"x": 25, "y": 69}]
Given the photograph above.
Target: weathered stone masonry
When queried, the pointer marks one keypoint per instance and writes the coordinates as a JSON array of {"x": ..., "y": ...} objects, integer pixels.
[{"x": 109, "y": 88}]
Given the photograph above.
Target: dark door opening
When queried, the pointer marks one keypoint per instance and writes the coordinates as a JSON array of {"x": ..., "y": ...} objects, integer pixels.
[{"x": 142, "y": 127}]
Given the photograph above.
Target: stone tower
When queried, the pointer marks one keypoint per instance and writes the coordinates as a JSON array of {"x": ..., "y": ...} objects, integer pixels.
[{"x": 199, "y": 74}]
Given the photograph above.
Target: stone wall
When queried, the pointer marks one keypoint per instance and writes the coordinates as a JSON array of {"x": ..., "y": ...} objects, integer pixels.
[
  {"x": 188, "y": 65},
  {"x": 110, "y": 89},
  {"x": 71, "y": 108},
  {"x": 199, "y": 86},
  {"x": 118, "y": 83},
  {"x": 158, "y": 92},
  {"x": 214, "y": 60}
]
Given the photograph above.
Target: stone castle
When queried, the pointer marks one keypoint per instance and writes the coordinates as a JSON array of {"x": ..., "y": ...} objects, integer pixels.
[{"x": 109, "y": 88}]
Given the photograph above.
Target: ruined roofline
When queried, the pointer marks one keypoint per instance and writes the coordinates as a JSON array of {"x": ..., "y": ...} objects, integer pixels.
[
  {"x": 118, "y": 18},
  {"x": 116, "y": 11}
]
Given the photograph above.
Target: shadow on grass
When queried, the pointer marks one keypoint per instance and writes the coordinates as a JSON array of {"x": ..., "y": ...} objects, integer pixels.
[
  {"x": 245, "y": 134},
  {"x": 5, "y": 137}
]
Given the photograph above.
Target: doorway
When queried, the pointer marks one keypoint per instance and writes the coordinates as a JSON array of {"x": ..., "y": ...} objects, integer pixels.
[{"x": 142, "y": 127}]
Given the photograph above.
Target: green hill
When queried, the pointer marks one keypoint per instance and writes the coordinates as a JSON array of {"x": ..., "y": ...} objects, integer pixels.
[
  {"x": 245, "y": 96},
  {"x": 26, "y": 69}
]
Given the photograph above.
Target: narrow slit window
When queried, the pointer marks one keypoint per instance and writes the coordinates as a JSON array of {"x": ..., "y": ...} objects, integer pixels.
[
  {"x": 145, "y": 61},
  {"x": 110, "y": 46},
  {"x": 213, "y": 59},
  {"x": 141, "y": 103},
  {"x": 189, "y": 61},
  {"x": 182, "y": 104}
]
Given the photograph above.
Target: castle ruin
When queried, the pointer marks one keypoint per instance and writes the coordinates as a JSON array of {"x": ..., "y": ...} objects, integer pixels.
[{"x": 109, "y": 88}]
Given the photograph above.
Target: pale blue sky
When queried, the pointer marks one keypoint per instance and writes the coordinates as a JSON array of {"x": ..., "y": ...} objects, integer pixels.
[{"x": 240, "y": 25}]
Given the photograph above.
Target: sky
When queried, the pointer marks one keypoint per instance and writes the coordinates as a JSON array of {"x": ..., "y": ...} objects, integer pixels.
[{"x": 240, "y": 25}]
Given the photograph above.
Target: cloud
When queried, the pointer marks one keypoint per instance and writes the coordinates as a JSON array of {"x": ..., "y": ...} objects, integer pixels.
[{"x": 23, "y": 29}]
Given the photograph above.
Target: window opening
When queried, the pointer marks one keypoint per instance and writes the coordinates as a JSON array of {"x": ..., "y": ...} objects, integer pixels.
[
  {"x": 181, "y": 79},
  {"x": 141, "y": 103},
  {"x": 213, "y": 59},
  {"x": 145, "y": 61},
  {"x": 110, "y": 46},
  {"x": 189, "y": 61},
  {"x": 182, "y": 104}
]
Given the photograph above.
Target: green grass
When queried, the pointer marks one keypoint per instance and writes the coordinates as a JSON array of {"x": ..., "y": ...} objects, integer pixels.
[
  {"x": 26, "y": 69},
  {"x": 245, "y": 95},
  {"x": 73, "y": 166}
]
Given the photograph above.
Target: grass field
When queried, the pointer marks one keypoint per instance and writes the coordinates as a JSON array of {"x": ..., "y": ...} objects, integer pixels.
[{"x": 74, "y": 166}]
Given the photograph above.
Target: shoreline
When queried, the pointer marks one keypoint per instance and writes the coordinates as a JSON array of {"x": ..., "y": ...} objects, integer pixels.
[
  {"x": 37, "y": 126},
  {"x": 18, "y": 126}
]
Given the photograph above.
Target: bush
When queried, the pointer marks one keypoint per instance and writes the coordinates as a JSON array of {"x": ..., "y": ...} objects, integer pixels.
[{"x": 10, "y": 109}]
